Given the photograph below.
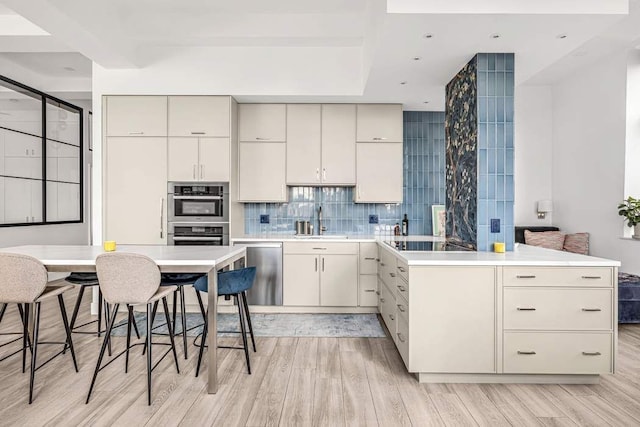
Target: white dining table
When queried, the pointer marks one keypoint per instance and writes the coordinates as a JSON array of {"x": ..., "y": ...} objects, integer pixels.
[{"x": 170, "y": 259}]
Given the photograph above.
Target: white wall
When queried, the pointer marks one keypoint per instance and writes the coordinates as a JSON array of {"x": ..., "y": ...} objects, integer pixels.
[
  {"x": 533, "y": 152},
  {"x": 589, "y": 130},
  {"x": 632, "y": 149},
  {"x": 63, "y": 234}
]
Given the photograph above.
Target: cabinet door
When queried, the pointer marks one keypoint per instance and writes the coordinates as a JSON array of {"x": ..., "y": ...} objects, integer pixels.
[
  {"x": 463, "y": 299},
  {"x": 136, "y": 115},
  {"x": 136, "y": 190},
  {"x": 262, "y": 122},
  {"x": 301, "y": 280},
  {"x": 262, "y": 172},
  {"x": 368, "y": 288},
  {"x": 199, "y": 116},
  {"x": 379, "y": 173},
  {"x": 338, "y": 144},
  {"x": 183, "y": 159},
  {"x": 303, "y": 144},
  {"x": 379, "y": 123},
  {"x": 339, "y": 280},
  {"x": 214, "y": 159},
  {"x": 18, "y": 199}
]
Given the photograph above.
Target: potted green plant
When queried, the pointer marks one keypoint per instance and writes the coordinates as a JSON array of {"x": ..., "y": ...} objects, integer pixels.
[{"x": 630, "y": 210}]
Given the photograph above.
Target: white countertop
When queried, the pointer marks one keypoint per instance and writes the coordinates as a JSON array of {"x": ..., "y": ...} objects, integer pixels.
[{"x": 523, "y": 255}]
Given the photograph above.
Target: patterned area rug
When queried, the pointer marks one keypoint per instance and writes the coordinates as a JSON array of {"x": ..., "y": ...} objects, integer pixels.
[{"x": 273, "y": 325}]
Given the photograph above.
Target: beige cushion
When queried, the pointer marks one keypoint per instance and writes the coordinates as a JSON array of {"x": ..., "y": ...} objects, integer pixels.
[
  {"x": 545, "y": 239},
  {"x": 22, "y": 278},
  {"x": 577, "y": 243}
]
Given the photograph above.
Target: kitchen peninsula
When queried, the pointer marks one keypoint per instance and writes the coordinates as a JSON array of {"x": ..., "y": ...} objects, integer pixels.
[{"x": 531, "y": 315}]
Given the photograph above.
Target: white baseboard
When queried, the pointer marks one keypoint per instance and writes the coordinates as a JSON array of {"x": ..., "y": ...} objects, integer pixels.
[{"x": 507, "y": 378}]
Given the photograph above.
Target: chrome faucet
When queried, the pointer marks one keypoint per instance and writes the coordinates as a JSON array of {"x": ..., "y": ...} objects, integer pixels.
[{"x": 321, "y": 228}]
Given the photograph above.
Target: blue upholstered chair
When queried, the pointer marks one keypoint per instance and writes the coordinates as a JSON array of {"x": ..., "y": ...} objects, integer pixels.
[{"x": 233, "y": 283}]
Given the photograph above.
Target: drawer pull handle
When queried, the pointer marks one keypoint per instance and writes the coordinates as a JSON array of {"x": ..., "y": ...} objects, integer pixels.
[
  {"x": 392, "y": 317},
  {"x": 382, "y": 264},
  {"x": 592, "y": 277},
  {"x": 197, "y": 133},
  {"x": 525, "y": 277},
  {"x": 382, "y": 300},
  {"x": 402, "y": 270},
  {"x": 526, "y": 309},
  {"x": 400, "y": 337},
  {"x": 401, "y": 308},
  {"x": 369, "y": 290},
  {"x": 377, "y": 292},
  {"x": 319, "y": 249},
  {"x": 392, "y": 274},
  {"x": 594, "y": 353},
  {"x": 591, "y": 309},
  {"x": 526, "y": 352},
  {"x": 369, "y": 258},
  {"x": 402, "y": 288}
]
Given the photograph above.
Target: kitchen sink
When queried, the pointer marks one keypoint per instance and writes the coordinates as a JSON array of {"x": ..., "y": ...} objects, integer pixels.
[{"x": 324, "y": 236}]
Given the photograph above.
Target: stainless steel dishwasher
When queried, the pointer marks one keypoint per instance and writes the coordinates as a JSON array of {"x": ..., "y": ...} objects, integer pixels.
[{"x": 267, "y": 258}]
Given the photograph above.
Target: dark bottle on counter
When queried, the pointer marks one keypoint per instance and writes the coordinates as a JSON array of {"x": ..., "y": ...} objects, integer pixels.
[
  {"x": 396, "y": 230},
  {"x": 405, "y": 225}
]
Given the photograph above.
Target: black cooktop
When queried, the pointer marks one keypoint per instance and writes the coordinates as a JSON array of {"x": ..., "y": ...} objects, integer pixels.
[{"x": 423, "y": 246}]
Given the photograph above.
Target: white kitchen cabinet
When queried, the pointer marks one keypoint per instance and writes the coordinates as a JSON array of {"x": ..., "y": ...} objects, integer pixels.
[
  {"x": 368, "y": 290},
  {"x": 199, "y": 116},
  {"x": 338, "y": 144},
  {"x": 303, "y": 144},
  {"x": 379, "y": 123},
  {"x": 262, "y": 122},
  {"x": 22, "y": 155},
  {"x": 199, "y": 159},
  {"x": 22, "y": 200},
  {"x": 135, "y": 194},
  {"x": 301, "y": 280},
  {"x": 136, "y": 115},
  {"x": 379, "y": 173},
  {"x": 320, "y": 274},
  {"x": 262, "y": 172},
  {"x": 463, "y": 299}
]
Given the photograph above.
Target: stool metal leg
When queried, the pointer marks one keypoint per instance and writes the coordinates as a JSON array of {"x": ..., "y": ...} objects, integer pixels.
[
  {"x": 76, "y": 309},
  {"x": 149, "y": 331},
  {"x": 202, "y": 343},
  {"x": 2, "y": 310},
  {"x": 246, "y": 311},
  {"x": 149, "y": 335},
  {"x": 135, "y": 325},
  {"x": 111, "y": 321},
  {"x": 184, "y": 321},
  {"x": 244, "y": 332},
  {"x": 25, "y": 335},
  {"x": 34, "y": 351},
  {"x": 67, "y": 328},
  {"x": 171, "y": 330},
  {"x": 129, "y": 320},
  {"x": 100, "y": 313},
  {"x": 107, "y": 318}
]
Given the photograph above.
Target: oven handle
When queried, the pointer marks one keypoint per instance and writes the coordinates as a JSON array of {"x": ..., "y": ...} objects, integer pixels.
[
  {"x": 197, "y": 197},
  {"x": 196, "y": 238}
]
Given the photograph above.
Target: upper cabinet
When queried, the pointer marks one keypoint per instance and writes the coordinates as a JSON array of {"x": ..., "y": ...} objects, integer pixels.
[
  {"x": 136, "y": 115},
  {"x": 303, "y": 144},
  {"x": 199, "y": 116},
  {"x": 262, "y": 172},
  {"x": 262, "y": 122},
  {"x": 199, "y": 159},
  {"x": 379, "y": 123},
  {"x": 339, "y": 144},
  {"x": 379, "y": 173}
]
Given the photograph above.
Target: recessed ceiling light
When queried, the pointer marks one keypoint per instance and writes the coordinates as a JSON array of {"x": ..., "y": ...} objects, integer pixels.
[
  {"x": 561, "y": 36},
  {"x": 69, "y": 68},
  {"x": 403, "y": 83},
  {"x": 495, "y": 36},
  {"x": 428, "y": 36},
  {"x": 425, "y": 102},
  {"x": 13, "y": 100},
  {"x": 416, "y": 58}
]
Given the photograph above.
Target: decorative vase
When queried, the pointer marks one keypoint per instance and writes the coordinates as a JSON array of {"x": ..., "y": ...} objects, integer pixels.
[{"x": 636, "y": 231}]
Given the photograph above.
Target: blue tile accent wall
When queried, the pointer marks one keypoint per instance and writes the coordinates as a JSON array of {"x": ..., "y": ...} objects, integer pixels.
[
  {"x": 424, "y": 185},
  {"x": 495, "y": 148}
]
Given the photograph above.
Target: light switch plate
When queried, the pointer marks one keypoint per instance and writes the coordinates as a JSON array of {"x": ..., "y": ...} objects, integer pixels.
[
  {"x": 264, "y": 219},
  {"x": 495, "y": 225}
]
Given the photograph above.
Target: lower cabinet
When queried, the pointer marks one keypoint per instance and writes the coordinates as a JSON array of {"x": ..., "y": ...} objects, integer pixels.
[
  {"x": 301, "y": 280},
  {"x": 368, "y": 290},
  {"x": 339, "y": 280}
]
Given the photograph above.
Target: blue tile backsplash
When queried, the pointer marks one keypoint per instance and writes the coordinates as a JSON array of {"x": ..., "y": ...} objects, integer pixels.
[{"x": 423, "y": 186}]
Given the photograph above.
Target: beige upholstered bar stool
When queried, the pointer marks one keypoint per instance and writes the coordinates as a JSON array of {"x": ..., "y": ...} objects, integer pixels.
[
  {"x": 23, "y": 280},
  {"x": 132, "y": 279}
]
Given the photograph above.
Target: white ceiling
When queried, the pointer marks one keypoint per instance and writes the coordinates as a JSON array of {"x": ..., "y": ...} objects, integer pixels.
[{"x": 311, "y": 51}]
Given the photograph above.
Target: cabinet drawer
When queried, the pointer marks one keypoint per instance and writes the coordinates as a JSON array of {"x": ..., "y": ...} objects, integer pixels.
[
  {"x": 320, "y": 248},
  {"x": 368, "y": 291},
  {"x": 402, "y": 269},
  {"x": 402, "y": 289},
  {"x": 560, "y": 276},
  {"x": 557, "y": 353},
  {"x": 388, "y": 309},
  {"x": 387, "y": 270},
  {"x": 402, "y": 307},
  {"x": 368, "y": 258},
  {"x": 401, "y": 339},
  {"x": 558, "y": 309}
]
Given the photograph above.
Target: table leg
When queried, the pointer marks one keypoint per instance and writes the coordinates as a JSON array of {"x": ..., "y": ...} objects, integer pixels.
[{"x": 212, "y": 294}]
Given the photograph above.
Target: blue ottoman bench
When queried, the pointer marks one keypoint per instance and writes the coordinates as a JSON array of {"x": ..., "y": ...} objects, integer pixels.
[{"x": 628, "y": 298}]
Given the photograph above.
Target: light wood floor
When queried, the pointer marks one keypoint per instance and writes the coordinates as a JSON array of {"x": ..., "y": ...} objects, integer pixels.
[{"x": 299, "y": 381}]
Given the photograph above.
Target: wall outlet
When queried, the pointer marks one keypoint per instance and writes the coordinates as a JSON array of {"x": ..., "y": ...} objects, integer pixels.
[
  {"x": 264, "y": 219},
  {"x": 495, "y": 225},
  {"x": 373, "y": 219}
]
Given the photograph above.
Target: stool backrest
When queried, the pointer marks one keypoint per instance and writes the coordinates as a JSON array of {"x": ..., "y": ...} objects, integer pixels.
[
  {"x": 236, "y": 281},
  {"x": 22, "y": 278},
  {"x": 127, "y": 278}
]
